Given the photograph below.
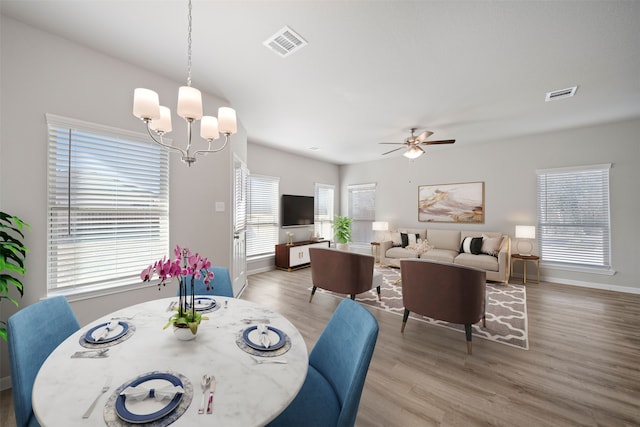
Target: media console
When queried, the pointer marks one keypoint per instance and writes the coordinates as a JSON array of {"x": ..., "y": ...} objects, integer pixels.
[{"x": 296, "y": 255}]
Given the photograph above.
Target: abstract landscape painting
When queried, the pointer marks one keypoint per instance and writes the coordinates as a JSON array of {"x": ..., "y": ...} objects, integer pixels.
[{"x": 461, "y": 203}]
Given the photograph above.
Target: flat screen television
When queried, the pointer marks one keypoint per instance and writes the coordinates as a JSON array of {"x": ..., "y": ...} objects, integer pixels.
[{"x": 297, "y": 211}]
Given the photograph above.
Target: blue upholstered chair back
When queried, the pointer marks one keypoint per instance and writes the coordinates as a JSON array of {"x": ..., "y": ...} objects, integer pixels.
[
  {"x": 221, "y": 284},
  {"x": 32, "y": 334},
  {"x": 338, "y": 366}
]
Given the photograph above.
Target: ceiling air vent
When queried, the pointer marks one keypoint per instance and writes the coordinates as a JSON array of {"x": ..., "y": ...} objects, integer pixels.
[
  {"x": 285, "y": 42},
  {"x": 561, "y": 94}
]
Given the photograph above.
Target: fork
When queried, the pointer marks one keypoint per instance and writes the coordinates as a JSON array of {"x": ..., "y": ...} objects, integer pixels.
[{"x": 104, "y": 389}]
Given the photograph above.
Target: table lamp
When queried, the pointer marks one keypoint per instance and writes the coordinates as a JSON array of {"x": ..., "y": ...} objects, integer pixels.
[
  {"x": 380, "y": 226},
  {"x": 525, "y": 232}
]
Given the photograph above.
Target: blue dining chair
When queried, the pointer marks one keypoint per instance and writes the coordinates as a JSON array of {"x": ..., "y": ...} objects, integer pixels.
[
  {"x": 338, "y": 366},
  {"x": 221, "y": 284},
  {"x": 32, "y": 334}
]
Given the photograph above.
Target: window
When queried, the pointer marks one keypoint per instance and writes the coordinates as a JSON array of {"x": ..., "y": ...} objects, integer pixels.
[
  {"x": 323, "y": 222},
  {"x": 573, "y": 217},
  {"x": 262, "y": 214},
  {"x": 107, "y": 205},
  {"x": 362, "y": 210}
]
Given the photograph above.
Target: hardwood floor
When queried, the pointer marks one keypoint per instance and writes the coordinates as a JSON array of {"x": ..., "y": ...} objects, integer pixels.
[{"x": 582, "y": 368}]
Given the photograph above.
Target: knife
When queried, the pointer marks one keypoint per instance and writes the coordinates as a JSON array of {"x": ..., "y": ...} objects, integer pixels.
[{"x": 212, "y": 388}]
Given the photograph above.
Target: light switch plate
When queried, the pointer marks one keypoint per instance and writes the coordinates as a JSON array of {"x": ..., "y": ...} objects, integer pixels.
[{"x": 219, "y": 206}]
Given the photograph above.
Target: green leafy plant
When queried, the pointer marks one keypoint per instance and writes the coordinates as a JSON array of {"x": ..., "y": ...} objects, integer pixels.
[
  {"x": 342, "y": 227},
  {"x": 12, "y": 256}
]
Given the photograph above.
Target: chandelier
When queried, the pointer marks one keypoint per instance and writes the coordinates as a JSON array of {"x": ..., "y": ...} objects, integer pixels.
[{"x": 146, "y": 107}]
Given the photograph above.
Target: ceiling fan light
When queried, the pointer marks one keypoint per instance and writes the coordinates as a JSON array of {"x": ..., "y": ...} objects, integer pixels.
[{"x": 414, "y": 152}]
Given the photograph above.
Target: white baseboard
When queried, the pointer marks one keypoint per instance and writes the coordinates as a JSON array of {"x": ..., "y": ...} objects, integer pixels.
[
  {"x": 5, "y": 383},
  {"x": 579, "y": 283},
  {"x": 261, "y": 270}
]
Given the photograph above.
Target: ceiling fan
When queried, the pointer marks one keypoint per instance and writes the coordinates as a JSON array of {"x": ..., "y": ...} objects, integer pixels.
[{"x": 413, "y": 144}]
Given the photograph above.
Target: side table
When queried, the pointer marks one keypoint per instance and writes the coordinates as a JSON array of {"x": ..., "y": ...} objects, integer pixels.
[{"x": 524, "y": 259}]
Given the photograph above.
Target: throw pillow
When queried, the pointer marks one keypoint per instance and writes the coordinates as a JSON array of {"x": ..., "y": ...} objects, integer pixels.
[
  {"x": 396, "y": 239},
  {"x": 413, "y": 239},
  {"x": 471, "y": 245},
  {"x": 405, "y": 239},
  {"x": 491, "y": 245}
]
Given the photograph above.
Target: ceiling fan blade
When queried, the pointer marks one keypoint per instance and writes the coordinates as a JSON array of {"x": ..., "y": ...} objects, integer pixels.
[
  {"x": 395, "y": 149},
  {"x": 442, "y": 141},
  {"x": 400, "y": 143},
  {"x": 424, "y": 135}
]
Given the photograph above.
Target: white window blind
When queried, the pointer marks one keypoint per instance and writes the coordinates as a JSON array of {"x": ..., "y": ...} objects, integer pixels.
[
  {"x": 263, "y": 214},
  {"x": 107, "y": 205},
  {"x": 362, "y": 210},
  {"x": 323, "y": 223},
  {"x": 573, "y": 217}
]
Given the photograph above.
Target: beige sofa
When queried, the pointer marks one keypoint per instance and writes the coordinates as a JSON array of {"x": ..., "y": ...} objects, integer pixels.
[{"x": 446, "y": 245}]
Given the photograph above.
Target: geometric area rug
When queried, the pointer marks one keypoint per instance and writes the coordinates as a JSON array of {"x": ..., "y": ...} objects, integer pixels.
[{"x": 506, "y": 309}]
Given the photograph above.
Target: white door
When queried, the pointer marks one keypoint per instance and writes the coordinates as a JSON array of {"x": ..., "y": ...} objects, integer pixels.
[{"x": 239, "y": 256}]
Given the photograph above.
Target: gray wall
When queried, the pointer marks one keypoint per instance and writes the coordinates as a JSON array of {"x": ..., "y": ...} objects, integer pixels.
[
  {"x": 298, "y": 175},
  {"x": 41, "y": 73},
  {"x": 508, "y": 171}
]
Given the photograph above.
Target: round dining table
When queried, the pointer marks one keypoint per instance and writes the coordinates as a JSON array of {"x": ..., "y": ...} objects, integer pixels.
[{"x": 250, "y": 389}]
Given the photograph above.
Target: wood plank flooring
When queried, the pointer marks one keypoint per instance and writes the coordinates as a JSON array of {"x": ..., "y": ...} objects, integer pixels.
[{"x": 583, "y": 366}]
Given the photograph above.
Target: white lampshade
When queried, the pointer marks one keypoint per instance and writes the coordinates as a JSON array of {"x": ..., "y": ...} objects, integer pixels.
[
  {"x": 380, "y": 226},
  {"x": 525, "y": 232},
  {"x": 414, "y": 152},
  {"x": 189, "y": 103},
  {"x": 163, "y": 124},
  {"x": 227, "y": 120},
  {"x": 209, "y": 128},
  {"x": 146, "y": 104}
]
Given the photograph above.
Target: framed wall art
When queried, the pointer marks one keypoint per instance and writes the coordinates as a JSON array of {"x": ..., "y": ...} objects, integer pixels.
[{"x": 460, "y": 203}]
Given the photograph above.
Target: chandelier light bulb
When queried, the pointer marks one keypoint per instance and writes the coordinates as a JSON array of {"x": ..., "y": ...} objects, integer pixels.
[
  {"x": 227, "y": 120},
  {"x": 163, "y": 124},
  {"x": 209, "y": 128},
  {"x": 146, "y": 104},
  {"x": 189, "y": 103}
]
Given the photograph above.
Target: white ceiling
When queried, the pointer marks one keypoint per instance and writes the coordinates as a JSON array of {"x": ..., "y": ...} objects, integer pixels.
[{"x": 474, "y": 71}]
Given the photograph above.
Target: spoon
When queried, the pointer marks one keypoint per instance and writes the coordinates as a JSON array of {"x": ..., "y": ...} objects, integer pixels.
[{"x": 206, "y": 379}]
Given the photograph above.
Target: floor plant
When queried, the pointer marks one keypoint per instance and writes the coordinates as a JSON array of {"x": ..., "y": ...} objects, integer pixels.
[{"x": 13, "y": 253}]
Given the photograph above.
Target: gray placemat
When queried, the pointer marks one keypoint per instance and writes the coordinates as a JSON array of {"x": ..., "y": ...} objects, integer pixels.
[
  {"x": 83, "y": 342},
  {"x": 113, "y": 420},
  {"x": 262, "y": 353}
]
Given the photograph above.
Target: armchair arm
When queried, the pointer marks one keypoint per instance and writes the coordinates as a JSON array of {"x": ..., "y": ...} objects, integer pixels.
[
  {"x": 384, "y": 247},
  {"x": 504, "y": 258}
]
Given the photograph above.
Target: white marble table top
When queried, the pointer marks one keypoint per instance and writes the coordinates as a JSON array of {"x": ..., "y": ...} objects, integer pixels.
[{"x": 247, "y": 393}]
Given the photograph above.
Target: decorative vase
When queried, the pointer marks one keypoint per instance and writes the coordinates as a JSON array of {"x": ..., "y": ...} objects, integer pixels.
[{"x": 183, "y": 334}]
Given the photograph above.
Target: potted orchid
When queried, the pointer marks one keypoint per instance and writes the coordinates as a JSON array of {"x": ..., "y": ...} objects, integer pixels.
[{"x": 184, "y": 266}]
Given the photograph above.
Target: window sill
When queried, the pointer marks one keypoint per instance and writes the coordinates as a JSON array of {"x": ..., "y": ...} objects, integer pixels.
[{"x": 85, "y": 293}]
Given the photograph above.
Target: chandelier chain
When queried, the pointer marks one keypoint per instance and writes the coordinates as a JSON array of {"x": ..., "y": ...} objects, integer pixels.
[{"x": 189, "y": 48}]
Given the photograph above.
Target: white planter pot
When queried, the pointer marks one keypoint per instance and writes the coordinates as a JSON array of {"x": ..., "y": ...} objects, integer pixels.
[
  {"x": 183, "y": 334},
  {"x": 342, "y": 246}
]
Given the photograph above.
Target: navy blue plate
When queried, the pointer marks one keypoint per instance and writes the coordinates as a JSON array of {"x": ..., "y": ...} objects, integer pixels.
[
  {"x": 258, "y": 346},
  {"x": 90, "y": 339},
  {"x": 130, "y": 417},
  {"x": 202, "y": 301}
]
